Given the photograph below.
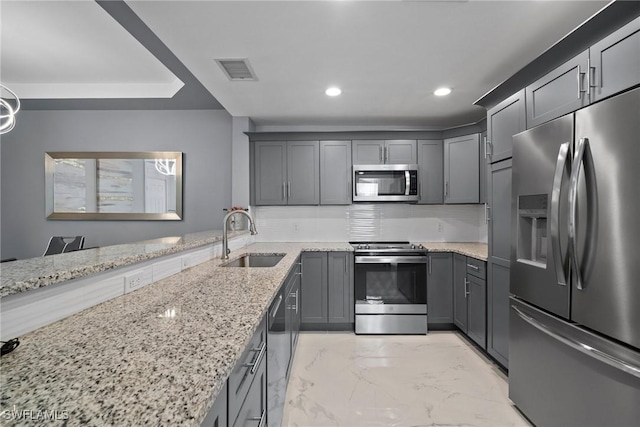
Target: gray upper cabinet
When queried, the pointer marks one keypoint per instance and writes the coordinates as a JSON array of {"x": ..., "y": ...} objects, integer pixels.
[
  {"x": 483, "y": 168},
  {"x": 378, "y": 152},
  {"x": 430, "y": 173},
  {"x": 561, "y": 91},
  {"x": 498, "y": 263},
  {"x": 270, "y": 176},
  {"x": 286, "y": 173},
  {"x": 303, "y": 173},
  {"x": 440, "y": 288},
  {"x": 368, "y": 152},
  {"x": 503, "y": 121},
  {"x": 615, "y": 62},
  {"x": 401, "y": 152},
  {"x": 335, "y": 172},
  {"x": 462, "y": 169},
  {"x": 340, "y": 287}
]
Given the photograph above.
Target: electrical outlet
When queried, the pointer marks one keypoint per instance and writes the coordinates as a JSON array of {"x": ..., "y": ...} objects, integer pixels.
[
  {"x": 133, "y": 280},
  {"x": 440, "y": 227}
]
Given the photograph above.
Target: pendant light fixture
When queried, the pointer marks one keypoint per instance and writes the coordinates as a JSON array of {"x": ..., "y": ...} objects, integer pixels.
[{"x": 9, "y": 107}]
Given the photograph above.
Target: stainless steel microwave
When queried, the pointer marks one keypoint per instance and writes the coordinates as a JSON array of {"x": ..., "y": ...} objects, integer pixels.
[{"x": 385, "y": 183}]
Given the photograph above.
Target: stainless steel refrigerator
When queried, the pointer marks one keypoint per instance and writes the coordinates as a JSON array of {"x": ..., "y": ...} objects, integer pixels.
[{"x": 574, "y": 355}]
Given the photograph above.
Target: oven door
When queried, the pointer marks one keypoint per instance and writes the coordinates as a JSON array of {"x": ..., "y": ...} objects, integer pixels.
[
  {"x": 386, "y": 183},
  {"x": 390, "y": 284}
]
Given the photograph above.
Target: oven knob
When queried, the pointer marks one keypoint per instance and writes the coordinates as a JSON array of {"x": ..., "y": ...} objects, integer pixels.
[{"x": 413, "y": 246}]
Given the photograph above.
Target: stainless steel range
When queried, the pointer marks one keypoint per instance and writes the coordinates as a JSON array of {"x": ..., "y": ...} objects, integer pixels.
[{"x": 390, "y": 288}]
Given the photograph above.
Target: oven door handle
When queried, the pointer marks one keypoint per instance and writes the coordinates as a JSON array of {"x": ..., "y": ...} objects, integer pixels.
[{"x": 391, "y": 260}]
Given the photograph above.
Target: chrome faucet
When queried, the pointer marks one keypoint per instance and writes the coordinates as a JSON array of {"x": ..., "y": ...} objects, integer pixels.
[{"x": 225, "y": 237}]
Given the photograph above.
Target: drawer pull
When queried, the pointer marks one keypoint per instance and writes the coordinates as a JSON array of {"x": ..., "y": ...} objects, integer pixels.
[
  {"x": 254, "y": 365},
  {"x": 475, "y": 267}
]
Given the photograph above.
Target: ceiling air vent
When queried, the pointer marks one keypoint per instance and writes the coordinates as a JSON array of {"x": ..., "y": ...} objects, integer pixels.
[{"x": 237, "y": 69}]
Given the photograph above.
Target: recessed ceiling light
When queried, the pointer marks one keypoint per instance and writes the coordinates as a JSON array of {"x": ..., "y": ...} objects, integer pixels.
[
  {"x": 333, "y": 91},
  {"x": 443, "y": 91}
]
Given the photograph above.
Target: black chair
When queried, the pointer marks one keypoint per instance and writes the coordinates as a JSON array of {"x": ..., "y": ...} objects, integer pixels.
[{"x": 58, "y": 244}]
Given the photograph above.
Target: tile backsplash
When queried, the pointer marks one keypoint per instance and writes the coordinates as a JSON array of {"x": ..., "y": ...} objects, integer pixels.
[{"x": 425, "y": 223}]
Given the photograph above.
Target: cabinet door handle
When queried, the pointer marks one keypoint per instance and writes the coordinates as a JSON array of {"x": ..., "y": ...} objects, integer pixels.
[
  {"x": 261, "y": 419},
  {"x": 256, "y": 363},
  {"x": 284, "y": 191},
  {"x": 466, "y": 287},
  {"x": 380, "y": 154},
  {"x": 475, "y": 267},
  {"x": 386, "y": 156},
  {"x": 446, "y": 189},
  {"x": 429, "y": 265},
  {"x": 579, "y": 77},
  {"x": 288, "y": 189},
  {"x": 487, "y": 210}
]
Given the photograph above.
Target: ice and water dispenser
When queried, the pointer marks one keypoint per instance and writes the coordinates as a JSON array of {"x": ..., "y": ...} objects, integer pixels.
[{"x": 532, "y": 230}]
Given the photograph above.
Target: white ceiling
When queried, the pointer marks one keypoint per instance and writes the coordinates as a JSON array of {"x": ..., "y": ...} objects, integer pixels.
[
  {"x": 74, "y": 49},
  {"x": 387, "y": 56}
]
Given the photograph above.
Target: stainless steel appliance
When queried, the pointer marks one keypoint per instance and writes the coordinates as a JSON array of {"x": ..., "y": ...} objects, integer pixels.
[
  {"x": 385, "y": 183},
  {"x": 390, "y": 284},
  {"x": 575, "y": 304}
]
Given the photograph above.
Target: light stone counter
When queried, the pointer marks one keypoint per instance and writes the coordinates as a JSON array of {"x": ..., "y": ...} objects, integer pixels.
[
  {"x": 23, "y": 275},
  {"x": 155, "y": 356},
  {"x": 472, "y": 249}
]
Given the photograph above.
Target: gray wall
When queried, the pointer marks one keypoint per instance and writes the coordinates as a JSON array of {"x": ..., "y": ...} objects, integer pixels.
[{"x": 204, "y": 136}]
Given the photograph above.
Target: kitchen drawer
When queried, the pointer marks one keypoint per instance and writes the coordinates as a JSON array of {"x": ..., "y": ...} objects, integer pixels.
[
  {"x": 476, "y": 267},
  {"x": 246, "y": 369},
  {"x": 253, "y": 412}
]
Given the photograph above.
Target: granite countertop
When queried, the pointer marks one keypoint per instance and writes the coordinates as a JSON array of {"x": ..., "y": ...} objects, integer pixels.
[
  {"x": 472, "y": 249},
  {"x": 22, "y": 275},
  {"x": 156, "y": 356}
]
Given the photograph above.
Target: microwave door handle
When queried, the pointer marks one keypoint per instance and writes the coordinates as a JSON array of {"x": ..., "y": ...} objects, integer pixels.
[
  {"x": 407, "y": 185},
  {"x": 561, "y": 164}
]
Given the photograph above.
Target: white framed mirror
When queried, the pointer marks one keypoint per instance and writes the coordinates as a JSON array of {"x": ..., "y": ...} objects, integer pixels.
[{"x": 114, "y": 185}]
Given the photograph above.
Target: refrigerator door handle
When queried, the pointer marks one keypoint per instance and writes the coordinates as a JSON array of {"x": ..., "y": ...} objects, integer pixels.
[
  {"x": 573, "y": 209},
  {"x": 579, "y": 346},
  {"x": 561, "y": 163}
]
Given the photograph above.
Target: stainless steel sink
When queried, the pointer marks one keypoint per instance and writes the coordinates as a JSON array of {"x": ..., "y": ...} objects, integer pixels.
[{"x": 255, "y": 260}]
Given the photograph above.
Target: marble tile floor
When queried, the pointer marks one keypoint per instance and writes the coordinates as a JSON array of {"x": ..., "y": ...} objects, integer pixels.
[{"x": 342, "y": 379}]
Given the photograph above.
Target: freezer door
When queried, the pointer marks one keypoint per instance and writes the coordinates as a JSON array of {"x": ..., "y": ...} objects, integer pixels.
[
  {"x": 540, "y": 184},
  {"x": 606, "y": 292},
  {"x": 560, "y": 375}
]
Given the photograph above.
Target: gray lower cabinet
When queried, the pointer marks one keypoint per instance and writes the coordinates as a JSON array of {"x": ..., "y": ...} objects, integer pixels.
[
  {"x": 378, "y": 152},
  {"x": 462, "y": 169},
  {"x": 327, "y": 290},
  {"x": 469, "y": 294},
  {"x": 217, "y": 415},
  {"x": 248, "y": 378},
  {"x": 430, "y": 171},
  {"x": 335, "y": 173},
  {"x": 314, "y": 290},
  {"x": 561, "y": 91},
  {"x": 460, "y": 291},
  {"x": 498, "y": 263},
  {"x": 439, "y": 288},
  {"x": 293, "y": 312},
  {"x": 615, "y": 62},
  {"x": 286, "y": 173},
  {"x": 503, "y": 121}
]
